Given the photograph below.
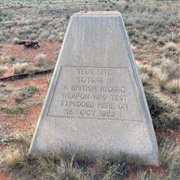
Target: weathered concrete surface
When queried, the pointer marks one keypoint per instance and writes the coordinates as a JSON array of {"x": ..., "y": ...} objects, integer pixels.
[{"x": 96, "y": 101}]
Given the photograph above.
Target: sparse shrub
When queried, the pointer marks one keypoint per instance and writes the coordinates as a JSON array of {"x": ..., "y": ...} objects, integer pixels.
[
  {"x": 178, "y": 35},
  {"x": 156, "y": 61},
  {"x": 15, "y": 41},
  {"x": 22, "y": 137},
  {"x": 30, "y": 89},
  {"x": 166, "y": 146},
  {"x": 16, "y": 110},
  {"x": 12, "y": 58},
  {"x": 167, "y": 66},
  {"x": 68, "y": 16},
  {"x": 13, "y": 158},
  {"x": 144, "y": 78},
  {"x": 20, "y": 68},
  {"x": 163, "y": 66},
  {"x": 129, "y": 22},
  {"x": 33, "y": 36},
  {"x": 44, "y": 35},
  {"x": 2, "y": 69},
  {"x": 170, "y": 114},
  {"x": 63, "y": 164},
  {"x": 131, "y": 33},
  {"x": 4, "y": 140},
  {"x": 170, "y": 159},
  {"x": 147, "y": 175},
  {"x": 61, "y": 36},
  {"x": 178, "y": 98},
  {"x": 119, "y": 168},
  {"x": 152, "y": 100},
  {"x": 145, "y": 68},
  {"x": 19, "y": 96},
  {"x": 39, "y": 59},
  {"x": 7, "y": 59},
  {"x": 31, "y": 70},
  {"x": 154, "y": 38},
  {"x": 160, "y": 76},
  {"x": 158, "y": 110},
  {"x": 24, "y": 93},
  {"x": 162, "y": 41},
  {"x": 170, "y": 46},
  {"x": 52, "y": 38},
  {"x": 2, "y": 85},
  {"x": 173, "y": 86}
]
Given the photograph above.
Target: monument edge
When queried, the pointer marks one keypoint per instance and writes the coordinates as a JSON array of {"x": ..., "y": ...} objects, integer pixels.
[
  {"x": 47, "y": 101},
  {"x": 143, "y": 101}
]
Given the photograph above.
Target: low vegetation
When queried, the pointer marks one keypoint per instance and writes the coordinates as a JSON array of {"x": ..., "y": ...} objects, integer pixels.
[
  {"x": 24, "y": 93},
  {"x": 39, "y": 59},
  {"x": 13, "y": 110},
  {"x": 63, "y": 164}
]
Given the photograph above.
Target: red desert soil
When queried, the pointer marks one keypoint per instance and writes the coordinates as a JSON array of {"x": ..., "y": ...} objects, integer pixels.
[
  {"x": 49, "y": 49},
  {"x": 10, "y": 124},
  {"x": 3, "y": 177}
]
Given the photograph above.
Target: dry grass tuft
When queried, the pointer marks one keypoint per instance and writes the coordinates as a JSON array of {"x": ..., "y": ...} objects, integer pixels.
[
  {"x": 164, "y": 111},
  {"x": 173, "y": 86},
  {"x": 24, "y": 93},
  {"x": 32, "y": 69},
  {"x": 160, "y": 76},
  {"x": 2, "y": 69},
  {"x": 166, "y": 146},
  {"x": 144, "y": 78},
  {"x": 169, "y": 113},
  {"x": 54, "y": 166},
  {"x": 119, "y": 168},
  {"x": 65, "y": 165},
  {"x": 12, "y": 110},
  {"x": 147, "y": 175},
  {"x": 170, "y": 46},
  {"x": 22, "y": 137},
  {"x": 7, "y": 59},
  {"x": 15, "y": 41},
  {"x": 145, "y": 68},
  {"x": 170, "y": 159},
  {"x": 167, "y": 66},
  {"x": 12, "y": 157},
  {"x": 20, "y": 68},
  {"x": 25, "y": 68},
  {"x": 170, "y": 156},
  {"x": 52, "y": 38},
  {"x": 39, "y": 59},
  {"x": 61, "y": 36}
]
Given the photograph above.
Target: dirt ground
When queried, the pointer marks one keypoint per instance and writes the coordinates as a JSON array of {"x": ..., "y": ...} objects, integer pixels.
[{"x": 10, "y": 124}]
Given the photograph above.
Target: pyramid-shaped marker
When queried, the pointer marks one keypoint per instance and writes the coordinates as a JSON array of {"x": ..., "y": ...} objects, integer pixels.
[{"x": 96, "y": 101}]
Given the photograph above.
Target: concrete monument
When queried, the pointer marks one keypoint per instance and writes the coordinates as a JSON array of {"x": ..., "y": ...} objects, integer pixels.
[{"x": 96, "y": 101}]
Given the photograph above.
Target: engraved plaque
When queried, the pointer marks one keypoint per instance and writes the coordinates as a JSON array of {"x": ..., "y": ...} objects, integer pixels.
[
  {"x": 96, "y": 101},
  {"x": 86, "y": 92}
]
